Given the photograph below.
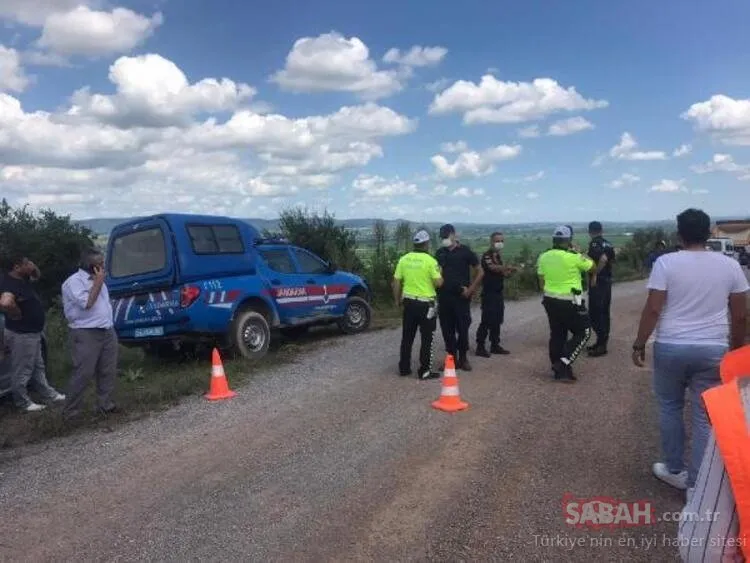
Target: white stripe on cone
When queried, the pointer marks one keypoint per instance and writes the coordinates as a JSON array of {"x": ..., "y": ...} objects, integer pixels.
[
  {"x": 450, "y": 391},
  {"x": 217, "y": 371},
  {"x": 449, "y": 372}
]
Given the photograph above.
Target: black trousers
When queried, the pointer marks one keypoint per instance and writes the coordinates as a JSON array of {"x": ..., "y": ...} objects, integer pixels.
[
  {"x": 564, "y": 317},
  {"x": 455, "y": 320},
  {"x": 493, "y": 314},
  {"x": 600, "y": 299},
  {"x": 415, "y": 317}
]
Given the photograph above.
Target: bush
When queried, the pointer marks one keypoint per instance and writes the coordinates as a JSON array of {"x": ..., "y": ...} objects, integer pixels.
[
  {"x": 321, "y": 235},
  {"x": 52, "y": 242}
]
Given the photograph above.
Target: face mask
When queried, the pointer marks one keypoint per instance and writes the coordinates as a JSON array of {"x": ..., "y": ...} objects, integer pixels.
[
  {"x": 446, "y": 242},
  {"x": 499, "y": 245}
]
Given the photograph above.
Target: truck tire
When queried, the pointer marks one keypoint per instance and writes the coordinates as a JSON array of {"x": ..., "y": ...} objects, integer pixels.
[
  {"x": 357, "y": 316},
  {"x": 251, "y": 335}
]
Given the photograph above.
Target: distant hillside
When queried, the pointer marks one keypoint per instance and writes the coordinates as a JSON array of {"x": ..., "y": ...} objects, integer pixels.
[{"x": 105, "y": 226}]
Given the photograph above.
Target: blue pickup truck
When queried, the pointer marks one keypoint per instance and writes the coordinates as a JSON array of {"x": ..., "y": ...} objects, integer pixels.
[{"x": 176, "y": 280}]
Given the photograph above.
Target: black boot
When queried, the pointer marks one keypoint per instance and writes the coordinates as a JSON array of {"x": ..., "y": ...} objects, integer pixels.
[
  {"x": 463, "y": 363},
  {"x": 598, "y": 351},
  {"x": 497, "y": 349},
  {"x": 563, "y": 373},
  {"x": 482, "y": 351}
]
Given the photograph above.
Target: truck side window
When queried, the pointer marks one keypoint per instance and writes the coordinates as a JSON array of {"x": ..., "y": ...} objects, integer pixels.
[
  {"x": 216, "y": 239},
  {"x": 308, "y": 263},
  {"x": 278, "y": 260}
]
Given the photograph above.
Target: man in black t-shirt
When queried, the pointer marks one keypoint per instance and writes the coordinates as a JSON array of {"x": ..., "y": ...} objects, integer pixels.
[
  {"x": 24, "y": 323},
  {"x": 493, "y": 301},
  {"x": 602, "y": 253},
  {"x": 458, "y": 263}
]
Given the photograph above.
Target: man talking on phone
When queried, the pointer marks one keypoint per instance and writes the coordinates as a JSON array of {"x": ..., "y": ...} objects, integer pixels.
[{"x": 93, "y": 341}]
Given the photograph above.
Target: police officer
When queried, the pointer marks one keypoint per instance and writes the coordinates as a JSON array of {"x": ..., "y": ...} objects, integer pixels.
[
  {"x": 493, "y": 302},
  {"x": 416, "y": 277},
  {"x": 559, "y": 270},
  {"x": 459, "y": 264},
  {"x": 600, "y": 287}
]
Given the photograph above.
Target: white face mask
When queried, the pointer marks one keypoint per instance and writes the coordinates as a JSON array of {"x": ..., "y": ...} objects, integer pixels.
[
  {"x": 447, "y": 242},
  {"x": 499, "y": 245}
]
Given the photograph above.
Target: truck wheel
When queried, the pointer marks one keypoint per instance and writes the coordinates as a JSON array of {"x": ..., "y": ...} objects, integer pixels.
[
  {"x": 251, "y": 335},
  {"x": 357, "y": 316}
]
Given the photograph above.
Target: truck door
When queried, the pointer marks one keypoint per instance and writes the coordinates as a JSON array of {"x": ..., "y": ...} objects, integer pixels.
[
  {"x": 140, "y": 277},
  {"x": 327, "y": 298},
  {"x": 290, "y": 295}
]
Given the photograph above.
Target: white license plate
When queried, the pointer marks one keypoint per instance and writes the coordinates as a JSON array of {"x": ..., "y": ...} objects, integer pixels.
[{"x": 150, "y": 331}]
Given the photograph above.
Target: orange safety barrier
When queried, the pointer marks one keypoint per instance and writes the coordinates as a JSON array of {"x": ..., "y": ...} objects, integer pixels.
[
  {"x": 735, "y": 363},
  {"x": 450, "y": 398},
  {"x": 219, "y": 385}
]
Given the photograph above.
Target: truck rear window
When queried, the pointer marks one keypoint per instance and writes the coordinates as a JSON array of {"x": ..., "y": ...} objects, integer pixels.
[
  {"x": 216, "y": 239},
  {"x": 141, "y": 252}
]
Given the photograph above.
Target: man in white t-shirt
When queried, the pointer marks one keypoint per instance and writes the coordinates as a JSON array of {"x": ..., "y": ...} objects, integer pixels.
[{"x": 697, "y": 304}]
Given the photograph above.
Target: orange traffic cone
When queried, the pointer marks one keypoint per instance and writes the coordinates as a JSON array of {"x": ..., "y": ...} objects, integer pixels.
[
  {"x": 450, "y": 399},
  {"x": 219, "y": 386}
]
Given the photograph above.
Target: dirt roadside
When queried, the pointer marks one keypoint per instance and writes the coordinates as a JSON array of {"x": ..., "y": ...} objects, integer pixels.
[{"x": 336, "y": 458}]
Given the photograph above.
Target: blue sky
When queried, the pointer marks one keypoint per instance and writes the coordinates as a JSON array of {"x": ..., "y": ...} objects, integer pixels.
[{"x": 490, "y": 112}]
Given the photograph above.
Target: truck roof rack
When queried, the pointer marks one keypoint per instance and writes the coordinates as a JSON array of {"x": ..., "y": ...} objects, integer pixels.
[{"x": 270, "y": 240}]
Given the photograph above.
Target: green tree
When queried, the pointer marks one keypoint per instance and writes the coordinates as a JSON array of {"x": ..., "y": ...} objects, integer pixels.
[
  {"x": 644, "y": 241},
  {"x": 53, "y": 242},
  {"x": 403, "y": 235},
  {"x": 320, "y": 234}
]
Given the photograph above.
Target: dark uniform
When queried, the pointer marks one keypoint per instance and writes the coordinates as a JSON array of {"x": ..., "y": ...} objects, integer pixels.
[
  {"x": 454, "y": 309},
  {"x": 600, "y": 295},
  {"x": 493, "y": 302}
]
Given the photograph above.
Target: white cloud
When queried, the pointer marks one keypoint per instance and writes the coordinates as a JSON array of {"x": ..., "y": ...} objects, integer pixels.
[
  {"x": 721, "y": 163},
  {"x": 626, "y": 150},
  {"x": 379, "y": 188},
  {"x": 12, "y": 76},
  {"x": 417, "y": 56},
  {"x": 473, "y": 163},
  {"x": 144, "y": 147},
  {"x": 724, "y": 118},
  {"x": 437, "y": 85},
  {"x": 526, "y": 179},
  {"x": 624, "y": 180},
  {"x": 669, "y": 186},
  {"x": 34, "y": 13},
  {"x": 569, "y": 126},
  {"x": 532, "y": 195},
  {"x": 701, "y": 191},
  {"x": 495, "y": 101},
  {"x": 530, "y": 132},
  {"x": 682, "y": 150},
  {"x": 83, "y": 31},
  {"x": 153, "y": 92},
  {"x": 468, "y": 192},
  {"x": 440, "y": 189},
  {"x": 458, "y": 146},
  {"x": 333, "y": 63}
]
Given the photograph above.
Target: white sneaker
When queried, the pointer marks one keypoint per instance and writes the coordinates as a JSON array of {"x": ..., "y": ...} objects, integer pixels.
[
  {"x": 677, "y": 480},
  {"x": 58, "y": 398},
  {"x": 33, "y": 407}
]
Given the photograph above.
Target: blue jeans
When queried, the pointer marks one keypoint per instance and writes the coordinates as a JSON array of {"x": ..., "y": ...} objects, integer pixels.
[{"x": 677, "y": 368}]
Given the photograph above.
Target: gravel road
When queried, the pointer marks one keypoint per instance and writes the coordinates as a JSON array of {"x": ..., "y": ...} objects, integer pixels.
[{"x": 336, "y": 458}]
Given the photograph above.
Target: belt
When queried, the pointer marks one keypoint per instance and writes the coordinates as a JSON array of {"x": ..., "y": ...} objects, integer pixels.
[
  {"x": 422, "y": 299},
  {"x": 560, "y": 296}
]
